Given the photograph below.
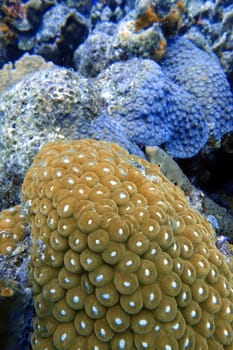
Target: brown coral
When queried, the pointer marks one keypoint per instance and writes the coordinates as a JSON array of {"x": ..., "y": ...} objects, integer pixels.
[
  {"x": 12, "y": 229},
  {"x": 149, "y": 42},
  {"x": 171, "y": 20},
  {"x": 119, "y": 259}
]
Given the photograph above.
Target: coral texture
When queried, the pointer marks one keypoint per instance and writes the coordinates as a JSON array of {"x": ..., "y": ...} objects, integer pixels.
[
  {"x": 168, "y": 13},
  {"x": 11, "y": 73},
  {"x": 119, "y": 260},
  {"x": 200, "y": 73},
  {"x": 129, "y": 42},
  {"x": 110, "y": 43},
  {"x": 215, "y": 29},
  {"x": 152, "y": 109},
  {"x": 12, "y": 229},
  {"x": 109, "y": 129},
  {"x": 95, "y": 53},
  {"x": 30, "y": 117},
  {"x": 141, "y": 33}
]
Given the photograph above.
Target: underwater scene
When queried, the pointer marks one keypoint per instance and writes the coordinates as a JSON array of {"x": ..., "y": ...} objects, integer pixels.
[{"x": 116, "y": 175}]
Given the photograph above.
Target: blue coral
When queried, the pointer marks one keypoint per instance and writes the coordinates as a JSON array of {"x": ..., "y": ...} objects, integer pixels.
[
  {"x": 135, "y": 103},
  {"x": 200, "y": 73},
  {"x": 109, "y": 129},
  {"x": 152, "y": 109},
  {"x": 94, "y": 54}
]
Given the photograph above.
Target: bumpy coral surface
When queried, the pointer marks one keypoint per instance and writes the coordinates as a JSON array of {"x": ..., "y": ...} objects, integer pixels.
[
  {"x": 95, "y": 53},
  {"x": 12, "y": 229},
  {"x": 11, "y": 73},
  {"x": 109, "y": 129},
  {"x": 168, "y": 13},
  {"x": 43, "y": 107},
  {"x": 152, "y": 109},
  {"x": 119, "y": 260},
  {"x": 139, "y": 34},
  {"x": 110, "y": 43},
  {"x": 201, "y": 74},
  {"x": 130, "y": 41},
  {"x": 215, "y": 28}
]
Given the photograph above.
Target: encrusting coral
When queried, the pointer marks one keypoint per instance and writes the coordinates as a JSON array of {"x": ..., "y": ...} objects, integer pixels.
[
  {"x": 141, "y": 33},
  {"x": 152, "y": 111},
  {"x": 129, "y": 41},
  {"x": 12, "y": 229},
  {"x": 43, "y": 113},
  {"x": 180, "y": 112},
  {"x": 119, "y": 260},
  {"x": 12, "y": 73},
  {"x": 201, "y": 74},
  {"x": 168, "y": 14}
]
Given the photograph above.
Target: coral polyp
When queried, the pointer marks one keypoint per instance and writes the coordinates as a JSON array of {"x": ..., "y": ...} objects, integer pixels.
[{"x": 12, "y": 229}]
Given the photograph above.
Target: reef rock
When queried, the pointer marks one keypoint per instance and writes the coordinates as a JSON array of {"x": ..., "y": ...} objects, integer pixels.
[{"x": 152, "y": 109}]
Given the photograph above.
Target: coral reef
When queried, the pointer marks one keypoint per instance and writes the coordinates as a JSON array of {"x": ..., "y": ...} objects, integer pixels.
[
  {"x": 201, "y": 75},
  {"x": 15, "y": 242},
  {"x": 30, "y": 117},
  {"x": 109, "y": 129},
  {"x": 152, "y": 109},
  {"x": 119, "y": 259},
  {"x": 45, "y": 27},
  {"x": 12, "y": 229},
  {"x": 82, "y": 6},
  {"x": 10, "y": 74},
  {"x": 163, "y": 106},
  {"x": 220, "y": 218},
  {"x": 110, "y": 11},
  {"x": 169, "y": 168},
  {"x": 12, "y": 17},
  {"x": 210, "y": 23},
  {"x": 16, "y": 306},
  {"x": 109, "y": 43},
  {"x": 141, "y": 33},
  {"x": 91, "y": 57},
  {"x": 168, "y": 13},
  {"x": 61, "y": 31},
  {"x": 129, "y": 41}
]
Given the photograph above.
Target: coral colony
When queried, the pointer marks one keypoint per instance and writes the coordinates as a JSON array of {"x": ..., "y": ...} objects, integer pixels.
[
  {"x": 99, "y": 250},
  {"x": 120, "y": 261}
]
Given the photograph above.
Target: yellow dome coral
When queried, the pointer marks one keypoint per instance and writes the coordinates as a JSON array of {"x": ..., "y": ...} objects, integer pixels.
[{"x": 119, "y": 259}]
